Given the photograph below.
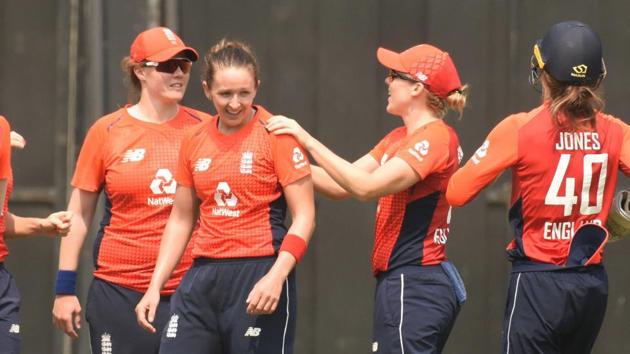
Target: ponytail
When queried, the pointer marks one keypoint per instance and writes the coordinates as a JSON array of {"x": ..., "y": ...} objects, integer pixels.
[{"x": 579, "y": 104}]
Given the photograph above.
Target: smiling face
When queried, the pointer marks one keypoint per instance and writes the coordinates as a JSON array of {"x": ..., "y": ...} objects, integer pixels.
[
  {"x": 166, "y": 87},
  {"x": 232, "y": 92}
]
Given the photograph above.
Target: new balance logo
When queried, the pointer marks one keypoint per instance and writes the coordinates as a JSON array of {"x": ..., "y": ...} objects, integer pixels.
[
  {"x": 202, "y": 165},
  {"x": 252, "y": 332},
  {"x": 15, "y": 328},
  {"x": 171, "y": 331},
  {"x": 133, "y": 155},
  {"x": 106, "y": 343}
]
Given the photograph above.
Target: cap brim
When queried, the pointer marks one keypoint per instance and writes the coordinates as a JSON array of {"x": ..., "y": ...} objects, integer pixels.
[
  {"x": 167, "y": 54},
  {"x": 390, "y": 59}
]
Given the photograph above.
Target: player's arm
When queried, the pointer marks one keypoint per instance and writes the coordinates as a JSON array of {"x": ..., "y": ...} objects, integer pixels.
[
  {"x": 496, "y": 154},
  {"x": 264, "y": 297},
  {"x": 66, "y": 308},
  {"x": 394, "y": 176},
  {"x": 57, "y": 223},
  {"x": 175, "y": 237},
  {"x": 327, "y": 186}
]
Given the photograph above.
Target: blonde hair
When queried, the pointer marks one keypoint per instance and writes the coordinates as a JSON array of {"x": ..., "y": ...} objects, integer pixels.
[
  {"x": 130, "y": 79},
  {"x": 229, "y": 53},
  {"x": 579, "y": 104},
  {"x": 455, "y": 101}
]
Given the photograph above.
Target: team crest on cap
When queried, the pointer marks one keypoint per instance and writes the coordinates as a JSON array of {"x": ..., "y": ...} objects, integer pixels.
[
  {"x": 421, "y": 76},
  {"x": 579, "y": 71},
  {"x": 170, "y": 35}
]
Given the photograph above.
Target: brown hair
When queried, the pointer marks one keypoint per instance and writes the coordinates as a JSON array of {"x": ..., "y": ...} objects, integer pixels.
[
  {"x": 229, "y": 53},
  {"x": 578, "y": 104},
  {"x": 130, "y": 79},
  {"x": 455, "y": 101}
]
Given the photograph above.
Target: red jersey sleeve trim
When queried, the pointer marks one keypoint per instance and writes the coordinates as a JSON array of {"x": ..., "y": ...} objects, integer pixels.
[{"x": 498, "y": 152}]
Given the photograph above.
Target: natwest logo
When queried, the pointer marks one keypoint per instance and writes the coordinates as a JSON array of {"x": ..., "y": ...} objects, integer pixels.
[
  {"x": 226, "y": 200},
  {"x": 298, "y": 158},
  {"x": 163, "y": 183}
]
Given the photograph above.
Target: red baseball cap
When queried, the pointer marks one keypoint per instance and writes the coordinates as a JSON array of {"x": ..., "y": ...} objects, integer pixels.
[
  {"x": 425, "y": 63},
  {"x": 159, "y": 44}
]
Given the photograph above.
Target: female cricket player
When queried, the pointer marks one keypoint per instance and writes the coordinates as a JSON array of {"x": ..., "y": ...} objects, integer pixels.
[
  {"x": 564, "y": 156},
  {"x": 240, "y": 295},
  {"x": 130, "y": 155},
  {"x": 408, "y": 170}
]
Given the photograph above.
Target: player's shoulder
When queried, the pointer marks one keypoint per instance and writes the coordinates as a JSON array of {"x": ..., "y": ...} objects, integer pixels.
[
  {"x": 110, "y": 120},
  {"x": 609, "y": 119},
  {"x": 196, "y": 114},
  {"x": 4, "y": 123},
  {"x": 437, "y": 130}
]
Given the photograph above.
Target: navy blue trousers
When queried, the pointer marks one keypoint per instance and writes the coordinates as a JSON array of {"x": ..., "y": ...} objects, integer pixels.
[
  {"x": 555, "y": 311},
  {"x": 110, "y": 312},
  {"x": 9, "y": 311},
  {"x": 208, "y": 311},
  {"x": 414, "y": 310}
]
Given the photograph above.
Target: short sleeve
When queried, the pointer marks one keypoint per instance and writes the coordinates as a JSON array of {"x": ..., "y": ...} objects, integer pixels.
[
  {"x": 426, "y": 151},
  {"x": 290, "y": 161},
  {"x": 624, "y": 156},
  {"x": 184, "y": 173},
  {"x": 89, "y": 173},
  {"x": 5, "y": 149}
]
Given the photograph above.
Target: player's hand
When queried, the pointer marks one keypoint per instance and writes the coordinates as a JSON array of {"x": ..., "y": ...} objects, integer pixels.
[
  {"x": 283, "y": 125},
  {"x": 264, "y": 297},
  {"x": 67, "y": 314},
  {"x": 57, "y": 223},
  {"x": 145, "y": 310},
  {"x": 17, "y": 140}
]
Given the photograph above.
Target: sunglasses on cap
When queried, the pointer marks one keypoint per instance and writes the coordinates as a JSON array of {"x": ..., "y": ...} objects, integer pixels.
[
  {"x": 393, "y": 74},
  {"x": 170, "y": 66}
]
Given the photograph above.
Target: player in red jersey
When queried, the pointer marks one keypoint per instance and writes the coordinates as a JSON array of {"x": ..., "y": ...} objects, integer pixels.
[
  {"x": 239, "y": 296},
  {"x": 416, "y": 302},
  {"x": 130, "y": 154},
  {"x": 13, "y": 226},
  {"x": 564, "y": 156}
]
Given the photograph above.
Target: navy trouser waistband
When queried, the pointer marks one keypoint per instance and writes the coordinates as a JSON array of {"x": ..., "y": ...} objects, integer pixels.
[
  {"x": 203, "y": 260},
  {"x": 522, "y": 266},
  {"x": 416, "y": 268}
]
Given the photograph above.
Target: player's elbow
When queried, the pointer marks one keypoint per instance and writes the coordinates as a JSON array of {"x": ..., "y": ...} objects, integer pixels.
[{"x": 455, "y": 199}]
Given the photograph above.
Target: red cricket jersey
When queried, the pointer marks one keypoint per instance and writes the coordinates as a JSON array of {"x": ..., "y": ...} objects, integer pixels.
[
  {"x": 412, "y": 226},
  {"x": 5, "y": 173},
  {"x": 561, "y": 179},
  {"x": 239, "y": 180},
  {"x": 134, "y": 161}
]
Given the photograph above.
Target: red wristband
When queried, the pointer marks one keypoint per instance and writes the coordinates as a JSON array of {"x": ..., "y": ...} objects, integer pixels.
[{"x": 294, "y": 245}]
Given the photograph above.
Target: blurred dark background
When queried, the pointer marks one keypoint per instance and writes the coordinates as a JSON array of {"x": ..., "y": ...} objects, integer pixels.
[{"x": 60, "y": 71}]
